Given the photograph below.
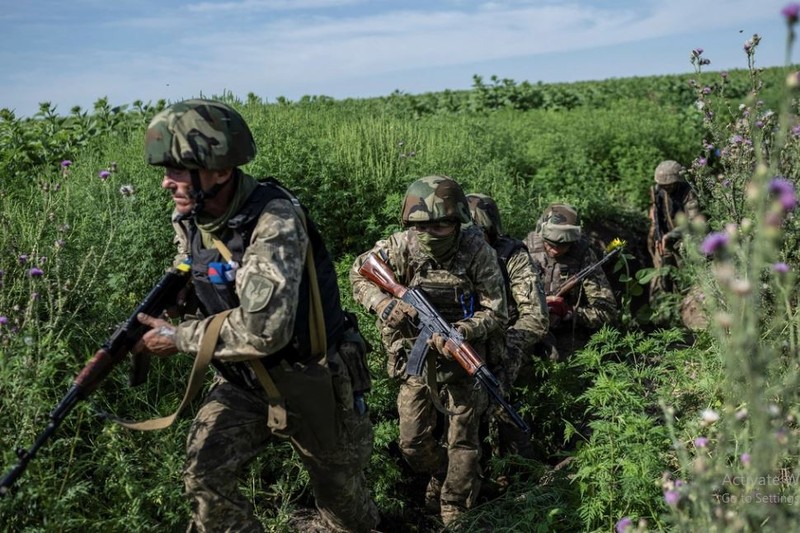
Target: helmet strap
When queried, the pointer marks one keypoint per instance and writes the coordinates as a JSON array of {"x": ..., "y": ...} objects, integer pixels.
[{"x": 198, "y": 195}]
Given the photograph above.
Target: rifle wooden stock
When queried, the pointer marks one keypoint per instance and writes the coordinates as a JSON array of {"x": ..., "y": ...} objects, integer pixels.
[
  {"x": 102, "y": 363},
  {"x": 378, "y": 272},
  {"x": 430, "y": 322}
]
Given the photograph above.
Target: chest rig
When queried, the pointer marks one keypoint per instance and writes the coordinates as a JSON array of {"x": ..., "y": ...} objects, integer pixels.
[
  {"x": 448, "y": 287},
  {"x": 215, "y": 293},
  {"x": 555, "y": 271},
  {"x": 669, "y": 205}
]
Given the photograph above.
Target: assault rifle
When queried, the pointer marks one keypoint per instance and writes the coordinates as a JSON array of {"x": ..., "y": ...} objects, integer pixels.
[
  {"x": 112, "y": 352},
  {"x": 584, "y": 273},
  {"x": 429, "y": 321}
]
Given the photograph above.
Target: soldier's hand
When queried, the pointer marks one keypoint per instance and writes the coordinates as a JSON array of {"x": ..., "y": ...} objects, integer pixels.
[
  {"x": 160, "y": 340},
  {"x": 559, "y": 307},
  {"x": 437, "y": 342},
  {"x": 394, "y": 311},
  {"x": 663, "y": 245},
  {"x": 465, "y": 328}
]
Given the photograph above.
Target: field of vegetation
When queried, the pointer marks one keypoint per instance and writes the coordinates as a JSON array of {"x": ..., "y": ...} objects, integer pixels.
[{"x": 663, "y": 427}]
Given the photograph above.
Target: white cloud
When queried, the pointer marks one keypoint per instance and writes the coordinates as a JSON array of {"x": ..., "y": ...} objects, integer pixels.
[
  {"x": 268, "y": 5},
  {"x": 286, "y": 52}
]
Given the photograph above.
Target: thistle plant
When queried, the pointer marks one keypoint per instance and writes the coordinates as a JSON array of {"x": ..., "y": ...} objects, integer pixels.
[{"x": 735, "y": 460}]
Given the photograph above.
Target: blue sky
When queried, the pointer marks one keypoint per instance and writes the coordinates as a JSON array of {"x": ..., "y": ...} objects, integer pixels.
[{"x": 74, "y": 52}]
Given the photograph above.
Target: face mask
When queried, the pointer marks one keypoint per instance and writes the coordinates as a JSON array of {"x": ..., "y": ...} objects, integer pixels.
[{"x": 440, "y": 248}]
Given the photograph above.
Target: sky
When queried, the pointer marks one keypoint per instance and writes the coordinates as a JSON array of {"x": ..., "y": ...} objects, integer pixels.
[{"x": 73, "y": 52}]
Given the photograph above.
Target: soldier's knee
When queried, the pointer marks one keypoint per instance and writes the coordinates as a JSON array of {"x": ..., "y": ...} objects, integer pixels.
[{"x": 422, "y": 458}]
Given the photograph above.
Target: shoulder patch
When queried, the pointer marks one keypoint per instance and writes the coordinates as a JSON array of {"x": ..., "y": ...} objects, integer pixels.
[{"x": 257, "y": 293}]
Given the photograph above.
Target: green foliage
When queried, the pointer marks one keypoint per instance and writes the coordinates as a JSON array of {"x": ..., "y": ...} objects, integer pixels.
[
  {"x": 623, "y": 454},
  {"x": 594, "y": 144}
]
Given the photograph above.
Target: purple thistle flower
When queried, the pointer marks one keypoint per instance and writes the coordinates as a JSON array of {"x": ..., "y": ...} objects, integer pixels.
[
  {"x": 672, "y": 497},
  {"x": 701, "y": 442},
  {"x": 737, "y": 139},
  {"x": 745, "y": 458},
  {"x": 104, "y": 174},
  {"x": 701, "y": 161},
  {"x": 724, "y": 75},
  {"x": 23, "y": 259},
  {"x": 623, "y": 524},
  {"x": 791, "y": 12},
  {"x": 36, "y": 272},
  {"x": 781, "y": 268},
  {"x": 759, "y": 124},
  {"x": 65, "y": 163},
  {"x": 713, "y": 242},
  {"x": 784, "y": 190},
  {"x": 697, "y": 51},
  {"x": 796, "y": 130},
  {"x": 706, "y": 90},
  {"x": 3, "y": 320}
]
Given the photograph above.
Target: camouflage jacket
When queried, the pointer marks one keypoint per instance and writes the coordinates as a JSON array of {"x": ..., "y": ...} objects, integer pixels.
[
  {"x": 273, "y": 262},
  {"x": 469, "y": 289},
  {"x": 527, "y": 308},
  {"x": 593, "y": 300}
]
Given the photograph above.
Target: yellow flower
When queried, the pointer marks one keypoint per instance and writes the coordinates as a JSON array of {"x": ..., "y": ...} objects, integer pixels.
[{"x": 616, "y": 243}]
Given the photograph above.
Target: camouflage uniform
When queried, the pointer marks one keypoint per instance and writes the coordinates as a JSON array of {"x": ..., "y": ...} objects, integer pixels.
[
  {"x": 670, "y": 197},
  {"x": 316, "y": 409},
  {"x": 592, "y": 302},
  {"x": 465, "y": 285},
  {"x": 527, "y": 311}
]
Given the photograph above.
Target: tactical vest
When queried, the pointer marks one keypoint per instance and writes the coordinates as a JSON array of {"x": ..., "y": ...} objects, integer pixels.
[
  {"x": 505, "y": 247},
  {"x": 555, "y": 271},
  {"x": 450, "y": 290},
  {"x": 216, "y": 297},
  {"x": 669, "y": 205}
]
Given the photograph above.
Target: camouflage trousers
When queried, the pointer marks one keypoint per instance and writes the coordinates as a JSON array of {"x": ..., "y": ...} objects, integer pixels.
[
  {"x": 423, "y": 452},
  {"x": 231, "y": 429}
]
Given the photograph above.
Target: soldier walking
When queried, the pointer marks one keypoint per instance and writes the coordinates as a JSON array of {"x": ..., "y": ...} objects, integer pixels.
[{"x": 458, "y": 271}]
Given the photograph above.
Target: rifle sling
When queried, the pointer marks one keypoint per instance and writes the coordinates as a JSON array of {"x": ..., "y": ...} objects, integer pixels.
[
  {"x": 433, "y": 386},
  {"x": 201, "y": 362}
]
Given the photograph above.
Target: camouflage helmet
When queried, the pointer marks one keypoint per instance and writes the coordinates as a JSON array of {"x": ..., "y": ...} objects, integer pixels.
[
  {"x": 199, "y": 134},
  {"x": 485, "y": 214},
  {"x": 669, "y": 172},
  {"x": 435, "y": 198},
  {"x": 560, "y": 223}
]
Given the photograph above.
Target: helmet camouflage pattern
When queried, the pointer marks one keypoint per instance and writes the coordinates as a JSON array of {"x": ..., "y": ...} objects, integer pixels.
[
  {"x": 435, "y": 198},
  {"x": 199, "y": 134},
  {"x": 485, "y": 214},
  {"x": 669, "y": 172},
  {"x": 560, "y": 223}
]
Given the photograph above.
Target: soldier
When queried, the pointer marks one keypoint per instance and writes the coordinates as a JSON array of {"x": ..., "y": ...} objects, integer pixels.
[
  {"x": 527, "y": 316},
  {"x": 280, "y": 371},
  {"x": 560, "y": 250},
  {"x": 670, "y": 197},
  {"x": 458, "y": 271}
]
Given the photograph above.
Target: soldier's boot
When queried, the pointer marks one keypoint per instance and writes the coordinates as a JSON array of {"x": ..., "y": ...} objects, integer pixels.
[
  {"x": 433, "y": 493},
  {"x": 450, "y": 512}
]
